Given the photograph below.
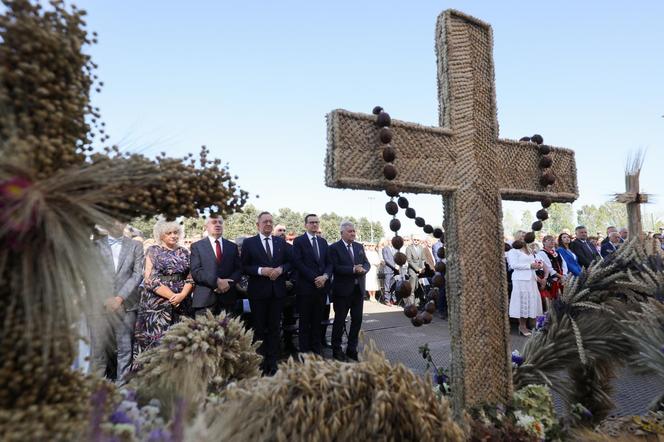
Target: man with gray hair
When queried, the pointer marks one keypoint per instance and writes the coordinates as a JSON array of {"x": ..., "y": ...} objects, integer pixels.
[
  {"x": 612, "y": 245},
  {"x": 349, "y": 266}
]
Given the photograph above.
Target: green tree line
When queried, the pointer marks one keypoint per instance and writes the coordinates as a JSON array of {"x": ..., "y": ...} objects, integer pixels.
[{"x": 244, "y": 224}]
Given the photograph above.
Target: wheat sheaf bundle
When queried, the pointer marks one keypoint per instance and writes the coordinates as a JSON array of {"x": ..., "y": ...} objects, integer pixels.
[
  {"x": 196, "y": 357},
  {"x": 324, "y": 400}
]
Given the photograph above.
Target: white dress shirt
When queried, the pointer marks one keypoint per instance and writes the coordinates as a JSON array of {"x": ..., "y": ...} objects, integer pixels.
[
  {"x": 214, "y": 245},
  {"x": 269, "y": 240},
  {"x": 115, "y": 250}
]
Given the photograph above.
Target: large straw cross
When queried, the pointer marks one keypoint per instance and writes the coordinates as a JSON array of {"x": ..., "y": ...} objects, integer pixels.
[{"x": 466, "y": 163}]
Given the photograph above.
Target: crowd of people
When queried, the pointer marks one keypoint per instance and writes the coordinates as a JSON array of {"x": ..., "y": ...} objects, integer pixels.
[
  {"x": 270, "y": 279},
  {"x": 277, "y": 281}
]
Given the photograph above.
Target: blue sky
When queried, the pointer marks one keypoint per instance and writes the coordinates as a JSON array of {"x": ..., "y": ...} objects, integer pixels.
[{"x": 253, "y": 81}]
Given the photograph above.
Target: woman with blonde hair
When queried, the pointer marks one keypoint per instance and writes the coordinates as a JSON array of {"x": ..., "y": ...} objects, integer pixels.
[
  {"x": 167, "y": 285},
  {"x": 525, "y": 301}
]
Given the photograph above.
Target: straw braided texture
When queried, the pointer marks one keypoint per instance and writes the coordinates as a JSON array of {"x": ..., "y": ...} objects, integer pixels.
[{"x": 466, "y": 162}]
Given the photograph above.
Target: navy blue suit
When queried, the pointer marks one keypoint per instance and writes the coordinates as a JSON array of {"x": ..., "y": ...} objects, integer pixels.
[
  {"x": 347, "y": 292},
  {"x": 310, "y": 299},
  {"x": 607, "y": 249},
  {"x": 205, "y": 271},
  {"x": 266, "y": 296}
]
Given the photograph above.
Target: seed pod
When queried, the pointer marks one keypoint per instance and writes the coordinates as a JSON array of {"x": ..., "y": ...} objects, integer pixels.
[
  {"x": 389, "y": 154},
  {"x": 542, "y": 214},
  {"x": 428, "y": 229},
  {"x": 391, "y": 207},
  {"x": 389, "y": 171},
  {"x": 395, "y": 225},
  {"x": 410, "y": 213},
  {"x": 397, "y": 242},
  {"x": 383, "y": 119},
  {"x": 419, "y": 222},
  {"x": 547, "y": 178},
  {"x": 536, "y": 226},
  {"x": 416, "y": 321},
  {"x": 524, "y": 139},
  {"x": 377, "y": 110},
  {"x": 529, "y": 237},
  {"x": 438, "y": 233},
  {"x": 403, "y": 202},
  {"x": 441, "y": 253},
  {"x": 400, "y": 258},
  {"x": 546, "y": 202},
  {"x": 405, "y": 289},
  {"x": 385, "y": 135},
  {"x": 537, "y": 139},
  {"x": 430, "y": 307}
]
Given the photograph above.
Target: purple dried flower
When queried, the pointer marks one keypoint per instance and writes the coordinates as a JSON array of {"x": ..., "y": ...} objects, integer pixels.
[
  {"x": 120, "y": 417},
  {"x": 517, "y": 358},
  {"x": 662, "y": 349},
  {"x": 159, "y": 435}
]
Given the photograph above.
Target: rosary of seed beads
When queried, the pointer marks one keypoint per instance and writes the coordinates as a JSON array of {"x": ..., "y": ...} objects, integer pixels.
[
  {"x": 547, "y": 179},
  {"x": 384, "y": 121}
]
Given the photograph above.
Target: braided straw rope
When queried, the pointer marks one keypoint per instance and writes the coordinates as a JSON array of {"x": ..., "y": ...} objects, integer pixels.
[{"x": 466, "y": 162}]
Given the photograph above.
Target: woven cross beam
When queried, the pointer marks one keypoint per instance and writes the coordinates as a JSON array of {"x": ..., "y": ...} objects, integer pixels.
[
  {"x": 466, "y": 163},
  {"x": 632, "y": 197}
]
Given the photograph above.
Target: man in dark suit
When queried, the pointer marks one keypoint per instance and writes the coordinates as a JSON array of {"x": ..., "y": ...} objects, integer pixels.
[
  {"x": 312, "y": 282},
  {"x": 611, "y": 245},
  {"x": 267, "y": 261},
  {"x": 349, "y": 265},
  {"x": 585, "y": 252},
  {"x": 216, "y": 268},
  {"x": 112, "y": 331}
]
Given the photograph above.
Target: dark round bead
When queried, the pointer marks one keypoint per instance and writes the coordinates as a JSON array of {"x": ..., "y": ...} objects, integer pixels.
[
  {"x": 377, "y": 110},
  {"x": 426, "y": 317},
  {"x": 416, "y": 321},
  {"x": 385, "y": 135},
  {"x": 547, "y": 179},
  {"x": 428, "y": 229},
  {"x": 391, "y": 208},
  {"x": 410, "y": 213},
  {"x": 391, "y": 190},
  {"x": 400, "y": 259},
  {"x": 389, "y": 154},
  {"x": 419, "y": 222},
  {"x": 383, "y": 119},
  {"x": 545, "y": 161},
  {"x": 410, "y": 311},
  {"x": 405, "y": 289},
  {"x": 440, "y": 267},
  {"x": 544, "y": 149},
  {"x": 526, "y": 139},
  {"x": 397, "y": 242},
  {"x": 536, "y": 226},
  {"x": 546, "y": 202},
  {"x": 403, "y": 202},
  {"x": 529, "y": 237},
  {"x": 395, "y": 225},
  {"x": 441, "y": 253},
  {"x": 537, "y": 139},
  {"x": 542, "y": 215},
  {"x": 438, "y": 232},
  {"x": 438, "y": 280},
  {"x": 390, "y": 171},
  {"x": 430, "y": 307}
]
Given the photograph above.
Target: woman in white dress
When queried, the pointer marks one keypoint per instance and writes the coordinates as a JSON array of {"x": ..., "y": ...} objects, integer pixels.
[
  {"x": 371, "y": 281},
  {"x": 525, "y": 302}
]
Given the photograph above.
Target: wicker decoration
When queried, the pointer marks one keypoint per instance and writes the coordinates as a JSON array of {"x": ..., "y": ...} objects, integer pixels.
[
  {"x": 632, "y": 197},
  {"x": 466, "y": 163}
]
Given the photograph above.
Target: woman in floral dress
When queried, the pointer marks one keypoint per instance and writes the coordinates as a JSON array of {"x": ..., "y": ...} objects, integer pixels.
[{"x": 167, "y": 286}]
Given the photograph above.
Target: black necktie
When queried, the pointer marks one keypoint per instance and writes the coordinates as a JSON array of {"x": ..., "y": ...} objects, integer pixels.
[
  {"x": 350, "y": 252},
  {"x": 267, "y": 249},
  {"x": 316, "y": 251}
]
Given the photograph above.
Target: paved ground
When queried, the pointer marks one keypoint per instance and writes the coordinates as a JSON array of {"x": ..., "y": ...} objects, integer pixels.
[{"x": 394, "y": 334}]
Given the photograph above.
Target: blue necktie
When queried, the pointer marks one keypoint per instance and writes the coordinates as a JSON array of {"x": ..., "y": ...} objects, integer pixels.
[{"x": 113, "y": 241}]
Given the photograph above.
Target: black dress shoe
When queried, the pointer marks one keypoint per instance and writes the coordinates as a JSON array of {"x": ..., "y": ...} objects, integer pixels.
[
  {"x": 352, "y": 354},
  {"x": 339, "y": 355}
]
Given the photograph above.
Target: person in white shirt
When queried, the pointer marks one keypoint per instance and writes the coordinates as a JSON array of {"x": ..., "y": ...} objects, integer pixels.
[{"x": 525, "y": 301}]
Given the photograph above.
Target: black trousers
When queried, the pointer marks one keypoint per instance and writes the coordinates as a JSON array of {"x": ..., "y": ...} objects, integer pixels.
[
  {"x": 310, "y": 308},
  {"x": 342, "y": 305},
  {"x": 266, "y": 319}
]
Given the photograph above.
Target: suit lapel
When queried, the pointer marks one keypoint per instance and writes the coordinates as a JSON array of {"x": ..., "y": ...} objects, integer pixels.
[
  {"x": 261, "y": 247},
  {"x": 124, "y": 251},
  {"x": 106, "y": 252},
  {"x": 210, "y": 252}
]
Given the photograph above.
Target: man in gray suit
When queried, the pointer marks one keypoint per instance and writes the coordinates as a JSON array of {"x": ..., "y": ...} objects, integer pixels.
[
  {"x": 415, "y": 257},
  {"x": 112, "y": 330},
  {"x": 390, "y": 270}
]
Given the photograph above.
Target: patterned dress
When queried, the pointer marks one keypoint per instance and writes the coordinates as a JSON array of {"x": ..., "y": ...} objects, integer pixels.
[{"x": 155, "y": 314}]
